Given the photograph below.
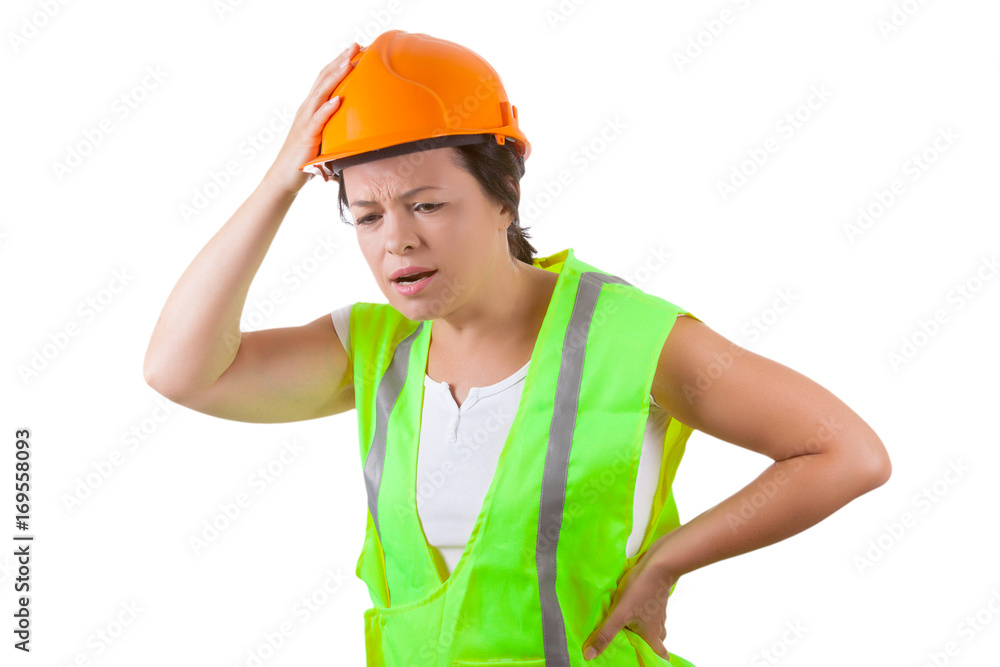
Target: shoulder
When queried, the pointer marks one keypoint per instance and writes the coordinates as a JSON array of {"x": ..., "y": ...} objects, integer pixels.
[
  {"x": 715, "y": 386},
  {"x": 689, "y": 339},
  {"x": 693, "y": 359}
]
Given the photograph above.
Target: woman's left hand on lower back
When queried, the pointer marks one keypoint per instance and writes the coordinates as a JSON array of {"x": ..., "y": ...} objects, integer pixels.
[{"x": 639, "y": 603}]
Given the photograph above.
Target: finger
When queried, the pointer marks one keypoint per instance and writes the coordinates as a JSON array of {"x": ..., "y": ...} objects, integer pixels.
[
  {"x": 324, "y": 87},
  {"x": 319, "y": 119},
  {"x": 657, "y": 645},
  {"x": 345, "y": 56},
  {"x": 328, "y": 79},
  {"x": 307, "y": 117},
  {"x": 663, "y": 633},
  {"x": 321, "y": 95},
  {"x": 307, "y": 144},
  {"x": 600, "y": 639}
]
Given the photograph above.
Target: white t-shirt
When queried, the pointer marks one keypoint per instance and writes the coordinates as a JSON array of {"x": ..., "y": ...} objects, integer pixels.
[{"x": 466, "y": 441}]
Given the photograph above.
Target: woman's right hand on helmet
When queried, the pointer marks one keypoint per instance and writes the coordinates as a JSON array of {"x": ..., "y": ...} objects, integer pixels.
[{"x": 305, "y": 136}]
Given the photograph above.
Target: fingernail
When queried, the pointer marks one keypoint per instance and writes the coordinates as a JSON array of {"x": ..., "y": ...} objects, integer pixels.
[
  {"x": 333, "y": 100},
  {"x": 589, "y": 653}
]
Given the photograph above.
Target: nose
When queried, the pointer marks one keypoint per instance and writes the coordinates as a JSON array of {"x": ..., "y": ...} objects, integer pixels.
[{"x": 399, "y": 233}]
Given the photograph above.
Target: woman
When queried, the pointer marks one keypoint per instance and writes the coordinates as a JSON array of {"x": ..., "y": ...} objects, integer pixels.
[{"x": 576, "y": 390}]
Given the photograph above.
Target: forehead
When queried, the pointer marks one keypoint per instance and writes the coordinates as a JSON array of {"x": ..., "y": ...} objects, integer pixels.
[{"x": 388, "y": 177}]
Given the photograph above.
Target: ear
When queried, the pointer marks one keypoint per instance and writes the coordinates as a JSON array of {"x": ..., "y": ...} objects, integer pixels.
[{"x": 505, "y": 220}]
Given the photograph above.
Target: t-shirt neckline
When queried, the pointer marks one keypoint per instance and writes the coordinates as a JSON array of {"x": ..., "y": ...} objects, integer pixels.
[{"x": 489, "y": 389}]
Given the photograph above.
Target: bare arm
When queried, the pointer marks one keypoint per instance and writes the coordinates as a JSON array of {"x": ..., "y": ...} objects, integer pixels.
[
  {"x": 825, "y": 455},
  {"x": 197, "y": 355}
]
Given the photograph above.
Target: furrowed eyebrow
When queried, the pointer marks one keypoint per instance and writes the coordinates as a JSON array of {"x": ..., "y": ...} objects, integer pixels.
[{"x": 365, "y": 202}]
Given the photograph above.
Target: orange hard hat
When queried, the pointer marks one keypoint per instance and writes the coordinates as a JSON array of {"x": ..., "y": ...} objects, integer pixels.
[{"x": 409, "y": 92}]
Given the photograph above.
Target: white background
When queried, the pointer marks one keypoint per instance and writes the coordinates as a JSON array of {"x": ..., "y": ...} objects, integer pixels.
[{"x": 226, "y": 74}]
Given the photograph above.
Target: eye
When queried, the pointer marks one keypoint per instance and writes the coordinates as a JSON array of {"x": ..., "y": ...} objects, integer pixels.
[{"x": 368, "y": 219}]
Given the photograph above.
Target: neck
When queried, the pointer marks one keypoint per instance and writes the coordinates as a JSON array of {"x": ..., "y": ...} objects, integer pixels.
[{"x": 506, "y": 308}]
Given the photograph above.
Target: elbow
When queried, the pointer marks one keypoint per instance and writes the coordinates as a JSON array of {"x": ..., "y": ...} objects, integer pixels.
[
  {"x": 153, "y": 380},
  {"x": 859, "y": 461},
  {"x": 871, "y": 463},
  {"x": 881, "y": 470},
  {"x": 159, "y": 381},
  {"x": 151, "y": 372}
]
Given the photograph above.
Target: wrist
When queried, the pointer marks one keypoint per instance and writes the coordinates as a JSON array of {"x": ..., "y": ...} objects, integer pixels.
[
  {"x": 663, "y": 559},
  {"x": 281, "y": 185}
]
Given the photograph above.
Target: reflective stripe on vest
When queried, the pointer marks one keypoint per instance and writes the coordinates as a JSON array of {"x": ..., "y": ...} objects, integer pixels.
[{"x": 495, "y": 605}]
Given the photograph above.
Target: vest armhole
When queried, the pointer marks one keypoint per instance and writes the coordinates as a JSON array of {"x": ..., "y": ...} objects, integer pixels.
[{"x": 341, "y": 318}]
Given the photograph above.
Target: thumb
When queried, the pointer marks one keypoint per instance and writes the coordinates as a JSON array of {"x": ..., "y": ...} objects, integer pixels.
[{"x": 600, "y": 638}]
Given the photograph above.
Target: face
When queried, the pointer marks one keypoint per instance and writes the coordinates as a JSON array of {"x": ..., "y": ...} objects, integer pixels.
[{"x": 422, "y": 210}]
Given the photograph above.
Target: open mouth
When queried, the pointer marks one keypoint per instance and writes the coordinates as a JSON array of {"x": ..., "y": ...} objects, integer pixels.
[{"x": 414, "y": 277}]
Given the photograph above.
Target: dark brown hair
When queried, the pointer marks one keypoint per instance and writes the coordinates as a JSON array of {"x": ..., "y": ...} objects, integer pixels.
[{"x": 498, "y": 169}]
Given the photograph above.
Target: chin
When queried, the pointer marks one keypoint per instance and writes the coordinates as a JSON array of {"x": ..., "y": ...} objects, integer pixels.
[{"x": 410, "y": 309}]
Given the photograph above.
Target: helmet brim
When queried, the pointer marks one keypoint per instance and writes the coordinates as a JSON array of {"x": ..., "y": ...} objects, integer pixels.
[{"x": 331, "y": 169}]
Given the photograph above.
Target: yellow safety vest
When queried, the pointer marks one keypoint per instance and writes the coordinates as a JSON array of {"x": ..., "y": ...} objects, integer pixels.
[{"x": 548, "y": 547}]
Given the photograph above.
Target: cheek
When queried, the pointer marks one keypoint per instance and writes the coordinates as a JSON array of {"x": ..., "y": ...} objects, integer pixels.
[{"x": 470, "y": 228}]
